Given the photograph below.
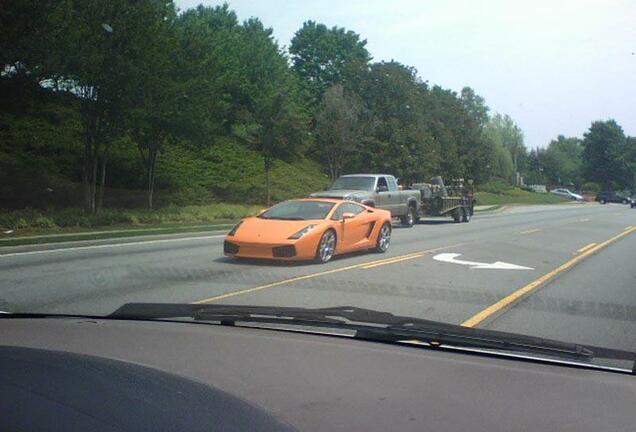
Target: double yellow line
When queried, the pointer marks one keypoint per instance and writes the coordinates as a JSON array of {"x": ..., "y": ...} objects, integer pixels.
[
  {"x": 508, "y": 301},
  {"x": 366, "y": 265}
]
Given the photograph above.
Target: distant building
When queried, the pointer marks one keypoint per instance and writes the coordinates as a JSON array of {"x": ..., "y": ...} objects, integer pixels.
[{"x": 538, "y": 188}]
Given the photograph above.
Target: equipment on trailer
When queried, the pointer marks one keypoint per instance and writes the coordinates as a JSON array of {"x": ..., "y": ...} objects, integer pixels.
[{"x": 439, "y": 200}]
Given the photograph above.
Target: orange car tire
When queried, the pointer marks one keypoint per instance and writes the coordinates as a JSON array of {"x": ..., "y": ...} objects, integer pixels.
[
  {"x": 383, "y": 242},
  {"x": 326, "y": 246}
]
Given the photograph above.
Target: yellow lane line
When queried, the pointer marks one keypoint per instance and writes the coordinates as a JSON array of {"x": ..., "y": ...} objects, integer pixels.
[
  {"x": 533, "y": 286},
  {"x": 370, "y": 266},
  {"x": 324, "y": 273},
  {"x": 530, "y": 231},
  {"x": 629, "y": 227},
  {"x": 586, "y": 247}
]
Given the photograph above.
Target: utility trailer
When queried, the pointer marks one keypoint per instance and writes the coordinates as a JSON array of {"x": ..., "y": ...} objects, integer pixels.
[{"x": 439, "y": 200}]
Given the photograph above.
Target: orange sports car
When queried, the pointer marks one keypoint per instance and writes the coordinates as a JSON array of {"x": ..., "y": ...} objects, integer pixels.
[{"x": 312, "y": 228}]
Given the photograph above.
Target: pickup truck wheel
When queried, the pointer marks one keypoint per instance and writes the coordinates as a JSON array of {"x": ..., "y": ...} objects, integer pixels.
[
  {"x": 457, "y": 215},
  {"x": 465, "y": 215},
  {"x": 624, "y": 201},
  {"x": 602, "y": 201},
  {"x": 408, "y": 220},
  {"x": 326, "y": 247},
  {"x": 384, "y": 238}
]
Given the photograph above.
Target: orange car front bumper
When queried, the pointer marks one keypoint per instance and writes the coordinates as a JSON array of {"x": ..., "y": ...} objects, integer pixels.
[{"x": 292, "y": 251}]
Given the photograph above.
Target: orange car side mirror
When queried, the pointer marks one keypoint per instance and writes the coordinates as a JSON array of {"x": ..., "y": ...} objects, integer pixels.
[{"x": 348, "y": 216}]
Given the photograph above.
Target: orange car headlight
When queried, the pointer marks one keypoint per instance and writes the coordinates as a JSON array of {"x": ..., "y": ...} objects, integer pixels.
[{"x": 301, "y": 233}]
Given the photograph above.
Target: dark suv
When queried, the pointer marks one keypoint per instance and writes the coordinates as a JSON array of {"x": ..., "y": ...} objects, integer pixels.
[{"x": 612, "y": 197}]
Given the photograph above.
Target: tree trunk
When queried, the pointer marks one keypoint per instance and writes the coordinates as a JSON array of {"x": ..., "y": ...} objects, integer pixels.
[
  {"x": 93, "y": 185},
  {"x": 86, "y": 174},
  {"x": 88, "y": 168},
  {"x": 102, "y": 182},
  {"x": 152, "y": 162},
  {"x": 268, "y": 191}
]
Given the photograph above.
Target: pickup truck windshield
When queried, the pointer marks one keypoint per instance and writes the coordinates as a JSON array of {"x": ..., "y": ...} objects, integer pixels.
[
  {"x": 298, "y": 210},
  {"x": 354, "y": 183}
]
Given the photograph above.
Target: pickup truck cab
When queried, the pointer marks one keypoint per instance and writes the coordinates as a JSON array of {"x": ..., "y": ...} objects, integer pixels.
[{"x": 376, "y": 190}]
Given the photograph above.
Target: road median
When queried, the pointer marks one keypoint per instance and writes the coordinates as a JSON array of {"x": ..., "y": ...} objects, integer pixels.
[{"x": 112, "y": 234}]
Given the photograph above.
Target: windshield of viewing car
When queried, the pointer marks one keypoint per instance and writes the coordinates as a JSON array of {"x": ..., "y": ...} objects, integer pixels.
[
  {"x": 139, "y": 139},
  {"x": 298, "y": 210},
  {"x": 354, "y": 183}
]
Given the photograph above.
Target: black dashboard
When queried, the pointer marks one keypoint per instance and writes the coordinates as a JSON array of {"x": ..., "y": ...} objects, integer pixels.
[{"x": 93, "y": 374}]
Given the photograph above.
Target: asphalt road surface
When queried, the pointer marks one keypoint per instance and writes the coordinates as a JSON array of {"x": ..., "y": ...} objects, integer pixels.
[{"x": 575, "y": 280}]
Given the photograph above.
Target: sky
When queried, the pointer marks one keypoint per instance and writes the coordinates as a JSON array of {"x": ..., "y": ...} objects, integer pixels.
[{"x": 553, "y": 66}]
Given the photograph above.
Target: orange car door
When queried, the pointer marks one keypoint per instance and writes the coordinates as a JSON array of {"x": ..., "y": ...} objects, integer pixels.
[{"x": 353, "y": 231}]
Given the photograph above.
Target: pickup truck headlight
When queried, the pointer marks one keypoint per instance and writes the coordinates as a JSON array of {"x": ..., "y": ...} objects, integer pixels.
[
  {"x": 301, "y": 233},
  {"x": 233, "y": 230}
]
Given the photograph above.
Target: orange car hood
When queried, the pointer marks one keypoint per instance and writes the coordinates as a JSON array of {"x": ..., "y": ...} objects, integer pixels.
[{"x": 258, "y": 230}]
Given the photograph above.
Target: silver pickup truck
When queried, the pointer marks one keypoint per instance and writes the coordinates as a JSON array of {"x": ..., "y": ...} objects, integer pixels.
[{"x": 376, "y": 190}]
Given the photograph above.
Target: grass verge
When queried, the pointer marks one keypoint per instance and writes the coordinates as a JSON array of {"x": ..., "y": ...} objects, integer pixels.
[
  {"x": 517, "y": 196},
  {"x": 111, "y": 234},
  {"x": 35, "y": 226},
  {"x": 490, "y": 208}
]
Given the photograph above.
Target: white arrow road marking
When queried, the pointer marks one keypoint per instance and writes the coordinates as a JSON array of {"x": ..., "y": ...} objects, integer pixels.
[{"x": 498, "y": 265}]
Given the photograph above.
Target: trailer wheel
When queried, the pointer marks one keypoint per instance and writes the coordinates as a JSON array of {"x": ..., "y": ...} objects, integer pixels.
[
  {"x": 465, "y": 215},
  {"x": 457, "y": 215}
]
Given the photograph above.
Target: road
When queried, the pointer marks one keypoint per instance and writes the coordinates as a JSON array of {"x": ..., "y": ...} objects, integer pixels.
[{"x": 578, "y": 282}]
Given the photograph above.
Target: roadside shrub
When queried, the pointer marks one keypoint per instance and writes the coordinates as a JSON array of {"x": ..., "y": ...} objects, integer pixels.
[
  {"x": 591, "y": 188},
  {"x": 496, "y": 186},
  {"x": 43, "y": 222}
]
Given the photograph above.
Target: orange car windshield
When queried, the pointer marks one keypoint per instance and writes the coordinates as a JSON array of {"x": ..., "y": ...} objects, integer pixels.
[{"x": 298, "y": 210}]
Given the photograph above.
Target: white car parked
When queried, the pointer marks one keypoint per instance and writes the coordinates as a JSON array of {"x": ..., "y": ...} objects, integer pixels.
[{"x": 567, "y": 194}]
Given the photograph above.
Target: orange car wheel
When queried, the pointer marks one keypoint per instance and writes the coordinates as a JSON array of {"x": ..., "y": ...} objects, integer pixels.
[
  {"x": 326, "y": 246},
  {"x": 384, "y": 238}
]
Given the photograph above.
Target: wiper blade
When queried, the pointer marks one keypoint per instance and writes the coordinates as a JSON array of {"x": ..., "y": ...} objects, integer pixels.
[{"x": 373, "y": 325}]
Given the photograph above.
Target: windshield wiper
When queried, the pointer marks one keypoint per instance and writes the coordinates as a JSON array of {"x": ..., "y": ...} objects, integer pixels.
[{"x": 373, "y": 325}]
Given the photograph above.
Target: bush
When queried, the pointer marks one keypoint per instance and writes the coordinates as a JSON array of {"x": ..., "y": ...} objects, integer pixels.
[
  {"x": 591, "y": 188},
  {"x": 496, "y": 186},
  {"x": 30, "y": 219}
]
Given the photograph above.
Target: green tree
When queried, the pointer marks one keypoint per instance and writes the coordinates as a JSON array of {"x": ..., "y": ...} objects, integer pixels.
[
  {"x": 338, "y": 128},
  {"x": 151, "y": 121},
  {"x": 562, "y": 161},
  {"x": 502, "y": 165},
  {"x": 603, "y": 151},
  {"x": 630, "y": 162},
  {"x": 504, "y": 132},
  {"x": 274, "y": 119},
  {"x": 397, "y": 137},
  {"x": 476, "y": 156},
  {"x": 210, "y": 67},
  {"x": 323, "y": 57},
  {"x": 102, "y": 48}
]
